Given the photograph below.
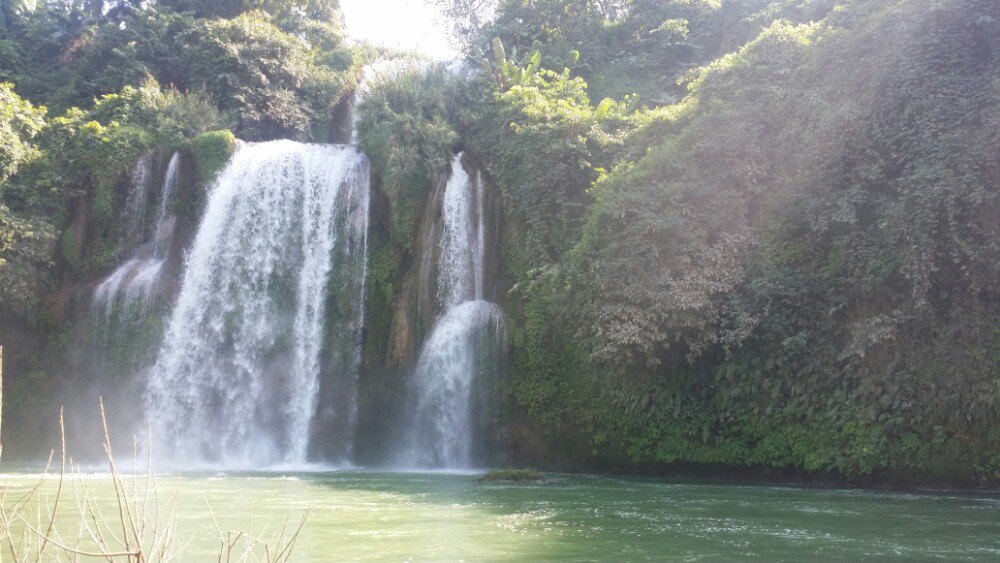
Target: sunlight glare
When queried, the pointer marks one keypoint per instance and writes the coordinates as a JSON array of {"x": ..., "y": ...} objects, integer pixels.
[{"x": 403, "y": 24}]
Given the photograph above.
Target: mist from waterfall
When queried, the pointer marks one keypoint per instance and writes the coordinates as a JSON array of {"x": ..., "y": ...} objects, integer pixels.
[
  {"x": 238, "y": 376},
  {"x": 459, "y": 361}
]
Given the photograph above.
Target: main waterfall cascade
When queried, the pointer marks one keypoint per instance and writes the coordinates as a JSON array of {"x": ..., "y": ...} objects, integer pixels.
[
  {"x": 238, "y": 376},
  {"x": 460, "y": 360}
]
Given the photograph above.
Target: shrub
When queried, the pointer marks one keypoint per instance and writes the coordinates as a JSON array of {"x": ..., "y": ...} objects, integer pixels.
[{"x": 211, "y": 152}]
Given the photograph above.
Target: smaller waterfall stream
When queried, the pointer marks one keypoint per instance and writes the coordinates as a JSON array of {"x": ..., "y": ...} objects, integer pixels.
[
  {"x": 452, "y": 376},
  {"x": 137, "y": 201},
  {"x": 460, "y": 359},
  {"x": 136, "y": 278},
  {"x": 460, "y": 264},
  {"x": 164, "y": 218}
]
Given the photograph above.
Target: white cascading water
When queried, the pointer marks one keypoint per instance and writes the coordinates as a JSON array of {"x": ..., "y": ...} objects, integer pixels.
[
  {"x": 467, "y": 339},
  {"x": 236, "y": 379},
  {"x": 136, "y": 278},
  {"x": 164, "y": 218},
  {"x": 460, "y": 264},
  {"x": 136, "y": 202}
]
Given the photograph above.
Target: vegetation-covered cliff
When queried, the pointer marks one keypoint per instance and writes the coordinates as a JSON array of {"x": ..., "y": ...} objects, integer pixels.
[{"x": 754, "y": 234}]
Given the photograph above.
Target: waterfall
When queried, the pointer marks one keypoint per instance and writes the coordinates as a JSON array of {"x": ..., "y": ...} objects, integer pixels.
[
  {"x": 164, "y": 219},
  {"x": 137, "y": 201},
  {"x": 463, "y": 351},
  {"x": 136, "y": 278},
  {"x": 460, "y": 261},
  {"x": 237, "y": 377},
  {"x": 480, "y": 255},
  {"x": 459, "y": 360}
]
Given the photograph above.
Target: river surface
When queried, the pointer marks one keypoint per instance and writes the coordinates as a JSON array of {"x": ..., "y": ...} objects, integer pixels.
[{"x": 371, "y": 516}]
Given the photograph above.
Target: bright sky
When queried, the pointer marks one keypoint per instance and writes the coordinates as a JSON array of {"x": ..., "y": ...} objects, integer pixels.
[{"x": 404, "y": 24}]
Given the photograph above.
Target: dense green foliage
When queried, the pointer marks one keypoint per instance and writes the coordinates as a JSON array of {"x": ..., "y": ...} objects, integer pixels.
[
  {"x": 623, "y": 47},
  {"x": 799, "y": 272},
  {"x": 211, "y": 151},
  {"x": 22, "y": 240},
  {"x": 546, "y": 143},
  {"x": 839, "y": 268},
  {"x": 276, "y": 69},
  {"x": 782, "y": 253}
]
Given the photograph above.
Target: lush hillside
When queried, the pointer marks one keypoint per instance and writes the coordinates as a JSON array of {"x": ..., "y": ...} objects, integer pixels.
[
  {"x": 787, "y": 260},
  {"x": 737, "y": 234}
]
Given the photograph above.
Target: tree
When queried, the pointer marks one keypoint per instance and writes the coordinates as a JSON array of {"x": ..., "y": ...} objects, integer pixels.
[
  {"x": 22, "y": 242},
  {"x": 20, "y": 122}
]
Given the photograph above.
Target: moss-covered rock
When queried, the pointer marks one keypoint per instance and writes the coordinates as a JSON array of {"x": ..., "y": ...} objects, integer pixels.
[
  {"x": 211, "y": 151},
  {"x": 511, "y": 476},
  {"x": 69, "y": 247}
]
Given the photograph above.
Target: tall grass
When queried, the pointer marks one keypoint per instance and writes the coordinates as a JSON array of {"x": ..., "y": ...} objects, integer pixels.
[{"x": 69, "y": 524}]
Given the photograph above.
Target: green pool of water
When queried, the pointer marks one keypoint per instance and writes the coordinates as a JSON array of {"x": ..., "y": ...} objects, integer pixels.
[{"x": 368, "y": 516}]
